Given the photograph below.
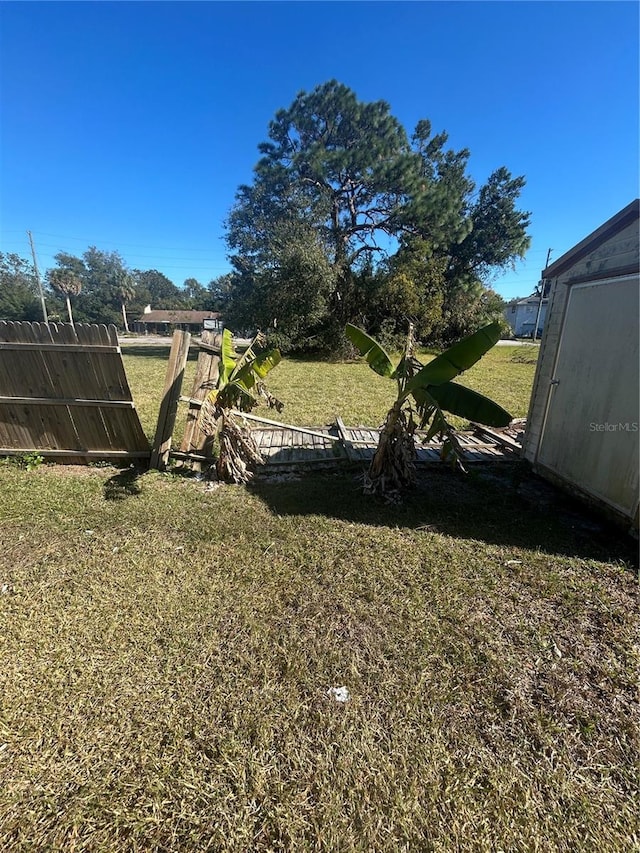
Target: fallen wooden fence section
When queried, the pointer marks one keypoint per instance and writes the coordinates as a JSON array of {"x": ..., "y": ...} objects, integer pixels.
[
  {"x": 509, "y": 438},
  {"x": 64, "y": 394},
  {"x": 293, "y": 447},
  {"x": 285, "y": 445}
]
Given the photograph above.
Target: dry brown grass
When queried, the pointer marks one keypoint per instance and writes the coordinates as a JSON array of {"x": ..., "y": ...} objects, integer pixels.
[{"x": 166, "y": 653}]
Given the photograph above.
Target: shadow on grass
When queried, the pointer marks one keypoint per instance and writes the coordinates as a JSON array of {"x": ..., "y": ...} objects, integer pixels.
[
  {"x": 500, "y": 505},
  {"x": 125, "y": 484}
]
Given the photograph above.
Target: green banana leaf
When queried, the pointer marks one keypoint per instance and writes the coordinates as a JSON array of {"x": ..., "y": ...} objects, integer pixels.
[
  {"x": 227, "y": 357},
  {"x": 258, "y": 368},
  {"x": 463, "y": 402},
  {"x": 456, "y": 359},
  {"x": 376, "y": 357}
]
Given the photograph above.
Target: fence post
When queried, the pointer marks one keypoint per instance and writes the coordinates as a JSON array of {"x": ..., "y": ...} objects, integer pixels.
[{"x": 170, "y": 397}]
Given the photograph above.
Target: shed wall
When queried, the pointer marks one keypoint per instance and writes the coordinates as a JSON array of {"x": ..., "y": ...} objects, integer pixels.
[
  {"x": 590, "y": 433},
  {"x": 621, "y": 251},
  {"x": 608, "y": 261}
]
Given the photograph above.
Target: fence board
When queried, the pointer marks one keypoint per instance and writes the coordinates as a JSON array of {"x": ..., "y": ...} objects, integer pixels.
[
  {"x": 170, "y": 397},
  {"x": 61, "y": 427},
  {"x": 194, "y": 440},
  {"x": 69, "y": 401},
  {"x": 23, "y": 347},
  {"x": 64, "y": 393}
]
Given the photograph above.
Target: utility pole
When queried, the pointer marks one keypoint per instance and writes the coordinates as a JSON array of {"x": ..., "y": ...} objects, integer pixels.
[
  {"x": 542, "y": 281},
  {"x": 37, "y": 272}
]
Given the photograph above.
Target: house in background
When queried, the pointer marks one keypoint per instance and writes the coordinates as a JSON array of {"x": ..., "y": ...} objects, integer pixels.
[
  {"x": 521, "y": 315},
  {"x": 582, "y": 427},
  {"x": 165, "y": 322}
]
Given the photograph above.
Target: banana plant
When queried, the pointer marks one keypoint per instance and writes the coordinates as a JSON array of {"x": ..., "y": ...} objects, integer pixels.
[
  {"x": 425, "y": 393},
  {"x": 239, "y": 388}
]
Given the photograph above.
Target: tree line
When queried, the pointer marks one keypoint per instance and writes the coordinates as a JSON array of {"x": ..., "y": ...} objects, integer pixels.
[{"x": 98, "y": 287}]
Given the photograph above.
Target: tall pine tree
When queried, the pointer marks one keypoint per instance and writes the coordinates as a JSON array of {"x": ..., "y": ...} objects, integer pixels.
[{"x": 340, "y": 187}]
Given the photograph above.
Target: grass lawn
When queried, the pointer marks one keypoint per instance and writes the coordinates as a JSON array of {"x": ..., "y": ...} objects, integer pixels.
[
  {"x": 166, "y": 654},
  {"x": 315, "y": 392}
]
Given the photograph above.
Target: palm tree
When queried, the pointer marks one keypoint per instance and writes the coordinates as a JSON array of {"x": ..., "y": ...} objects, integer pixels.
[
  {"x": 67, "y": 284},
  {"x": 426, "y": 392},
  {"x": 124, "y": 289}
]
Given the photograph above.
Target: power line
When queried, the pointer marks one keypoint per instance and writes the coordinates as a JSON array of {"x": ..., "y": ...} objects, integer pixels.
[
  {"x": 92, "y": 241},
  {"x": 144, "y": 257},
  {"x": 178, "y": 263}
]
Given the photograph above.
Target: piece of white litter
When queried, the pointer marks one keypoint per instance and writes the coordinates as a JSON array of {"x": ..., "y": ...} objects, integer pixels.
[
  {"x": 555, "y": 649},
  {"x": 340, "y": 694},
  {"x": 513, "y": 563}
]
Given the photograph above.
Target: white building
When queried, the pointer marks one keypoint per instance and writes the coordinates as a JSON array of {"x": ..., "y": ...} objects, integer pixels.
[{"x": 521, "y": 315}]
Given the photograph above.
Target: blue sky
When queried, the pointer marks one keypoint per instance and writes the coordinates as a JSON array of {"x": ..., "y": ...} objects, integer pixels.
[{"x": 129, "y": 126}]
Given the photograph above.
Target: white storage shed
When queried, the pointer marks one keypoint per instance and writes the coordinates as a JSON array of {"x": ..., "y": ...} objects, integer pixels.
[{"x": 582, "y": 427}]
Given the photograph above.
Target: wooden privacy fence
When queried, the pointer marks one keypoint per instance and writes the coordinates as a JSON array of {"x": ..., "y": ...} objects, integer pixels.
[{"x": 64, "y": 394}]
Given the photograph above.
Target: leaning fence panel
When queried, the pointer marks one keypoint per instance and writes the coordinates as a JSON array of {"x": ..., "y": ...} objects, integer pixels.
[{"x": 64, "y": 394}]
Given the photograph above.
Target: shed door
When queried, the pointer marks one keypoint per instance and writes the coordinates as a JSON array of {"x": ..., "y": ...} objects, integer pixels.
[{"x": 590, "y": 435}]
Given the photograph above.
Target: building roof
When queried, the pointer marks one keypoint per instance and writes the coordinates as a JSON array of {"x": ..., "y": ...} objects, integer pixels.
[
  {"x": 534, "y": 299},
  {"x": 625, "y": 217},
  {"x": 527, "y": 300},
  {"x": 175, "y": 317}
]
